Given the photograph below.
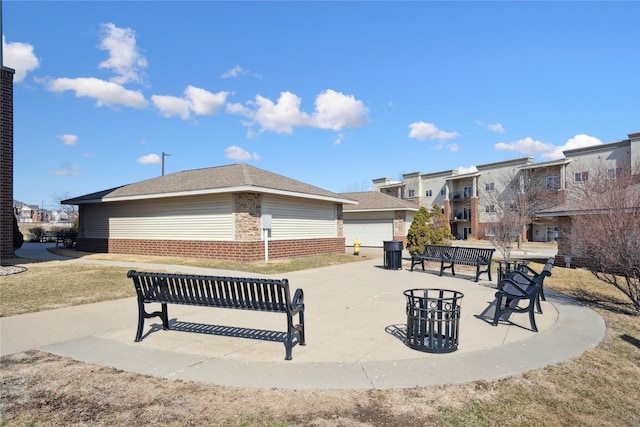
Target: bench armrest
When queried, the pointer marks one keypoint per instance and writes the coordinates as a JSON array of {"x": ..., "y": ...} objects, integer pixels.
[{"x": 297, "y": 303}]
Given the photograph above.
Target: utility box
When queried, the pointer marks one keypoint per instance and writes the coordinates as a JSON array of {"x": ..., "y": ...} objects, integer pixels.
[{"x": 266, "y": 221}]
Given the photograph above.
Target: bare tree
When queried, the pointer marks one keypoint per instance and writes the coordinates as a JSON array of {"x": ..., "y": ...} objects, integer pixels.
[
  {"x": 519, "y": 195},
  {"x": 71, "y": 211},
  {"x": 606, "y": 226}
]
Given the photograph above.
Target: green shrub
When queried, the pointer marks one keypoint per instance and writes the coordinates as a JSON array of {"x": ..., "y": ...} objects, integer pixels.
[
  {"x": 428, "y": 228},
  {"x": 18, "y": 238}
]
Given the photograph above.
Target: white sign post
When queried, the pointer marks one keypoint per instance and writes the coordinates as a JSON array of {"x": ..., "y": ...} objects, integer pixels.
[{"x": 266, "y": 228}]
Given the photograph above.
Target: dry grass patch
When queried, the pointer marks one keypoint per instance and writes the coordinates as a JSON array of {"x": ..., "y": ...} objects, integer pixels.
[{"x": 54, "y": 284}]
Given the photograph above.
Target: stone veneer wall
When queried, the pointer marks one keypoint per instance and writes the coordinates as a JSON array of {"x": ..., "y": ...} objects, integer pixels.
[
  {"x": 6, "y": 164},
  {"x": 399, "y": 232},
  {"x": 248, "y": 211}
]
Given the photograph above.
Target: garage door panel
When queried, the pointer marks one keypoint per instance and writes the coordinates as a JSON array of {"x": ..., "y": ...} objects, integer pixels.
[{"x": 369, "y": 232}]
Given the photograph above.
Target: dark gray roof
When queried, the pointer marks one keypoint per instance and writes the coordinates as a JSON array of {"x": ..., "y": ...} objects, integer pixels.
[
  {"x": 377, "y": 201},
  {"x": 221, "y": 179}
]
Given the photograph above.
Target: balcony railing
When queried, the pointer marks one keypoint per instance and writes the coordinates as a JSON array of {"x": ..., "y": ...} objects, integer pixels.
[
  {"x": 461, "y": 196},
  {"x": 461, "y": 216}
]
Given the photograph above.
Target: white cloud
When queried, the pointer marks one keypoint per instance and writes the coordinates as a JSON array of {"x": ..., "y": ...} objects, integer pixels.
[
  {"x": 73, "y": 170},
  {"x": 463, "y": 170},
  {"x": 234, "y": 72},
  {"x": 497, "y": 127},
  {"x": 527, "y": 146},
  {"x": 335, "y": 110},
  {"x": 338, "y": 139},
  {"x": 125, "y": 58},
  {"x": 105, "y": 93},
  {"x": 20, "y": 57},
  {"x": 238, "y": 153},
  {"x": 578, "y": 141},
  {"x": 453, "y": 148},
  {"x": 149, "y": 159},
  {"x": 237, "y": 108},
  {"x": 422, "y": 131},
  {"x": 68, "y": 139},
  {"x": 282, "y": 116},
  {"x": 171, "y": 106},
  {"x": 205, "y": 103},
  {"x": 195, "y": 100}
]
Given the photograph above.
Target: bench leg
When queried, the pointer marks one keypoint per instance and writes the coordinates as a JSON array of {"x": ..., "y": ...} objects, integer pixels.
[
  {"x": 538, "y": 303},
  {"x": 142, "y": 314},
  {"x": 532, "y": 319},
  {"x": 301, "y": 328},
  {"x": 499, "y": 311},
  {"x": 291, "y": 329},
  {"x": 415, "y": 262}
]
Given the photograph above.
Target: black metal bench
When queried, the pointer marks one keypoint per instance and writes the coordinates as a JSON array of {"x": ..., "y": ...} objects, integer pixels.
[
  {"x": 519, "y": 287},
  {"x": 430, "y": 253},
  {"x": 526, "y": 275},
  {"x": 215, "y": 291},
  {"x": 448, "y": 256}
]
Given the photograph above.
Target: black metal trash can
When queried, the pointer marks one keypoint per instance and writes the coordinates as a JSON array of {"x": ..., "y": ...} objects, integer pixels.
[
  {"x": 433, "y": 319},
  {"x": 393, "y": 254}
]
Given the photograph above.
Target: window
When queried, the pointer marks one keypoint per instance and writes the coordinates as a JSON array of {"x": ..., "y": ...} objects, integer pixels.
[
  {"x": 581, "y": 177},
  {"x": 428, "y": 193},
  {"x": 488, "y": 186},
  {"x": 443, "y": 191},
  {"x": 412, "y": 194},
  {"x": 489, "y": 232},
  {"x": 490, "y": 208},
  {"x": 468, "y": 192},
  {"x": 553, "y": 182},
  {"x": 614, "y": 173}
]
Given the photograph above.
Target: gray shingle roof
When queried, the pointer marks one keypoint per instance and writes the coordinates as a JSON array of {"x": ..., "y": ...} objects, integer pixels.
[
  {"x": 376, "y": 201},
  {"x": 220, "y": 179}
]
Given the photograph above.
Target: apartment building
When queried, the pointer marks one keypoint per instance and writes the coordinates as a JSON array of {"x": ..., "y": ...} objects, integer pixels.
[{"x": 472, "y": 201}]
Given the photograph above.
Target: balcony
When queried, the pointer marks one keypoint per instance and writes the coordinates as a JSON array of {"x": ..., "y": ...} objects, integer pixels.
[
  {"x": 461, "y": 217},
  {"x": 461, "y": 196}
]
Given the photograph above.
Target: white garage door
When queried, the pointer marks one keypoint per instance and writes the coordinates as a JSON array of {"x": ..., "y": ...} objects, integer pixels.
[{"x": 371, "y": 232}]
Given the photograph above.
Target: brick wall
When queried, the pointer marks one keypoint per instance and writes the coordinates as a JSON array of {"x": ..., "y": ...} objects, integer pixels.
[
  {"x": 233, "y": 251},
  {"x": 6, "y": 164}
]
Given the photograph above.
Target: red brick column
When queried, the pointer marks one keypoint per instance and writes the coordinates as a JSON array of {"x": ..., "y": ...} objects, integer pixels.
[{"x": 6, "y": 163}]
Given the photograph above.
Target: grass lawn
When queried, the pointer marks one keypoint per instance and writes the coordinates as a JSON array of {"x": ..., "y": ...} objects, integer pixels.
[{"x": 599, "y": 388}]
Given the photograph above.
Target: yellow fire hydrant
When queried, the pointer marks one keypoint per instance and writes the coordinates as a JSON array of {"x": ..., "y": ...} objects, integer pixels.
[{"x": 356, "y": 246}]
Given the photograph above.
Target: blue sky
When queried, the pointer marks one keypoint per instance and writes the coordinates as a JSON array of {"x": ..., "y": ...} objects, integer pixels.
[{"x": 333, "y": 94}]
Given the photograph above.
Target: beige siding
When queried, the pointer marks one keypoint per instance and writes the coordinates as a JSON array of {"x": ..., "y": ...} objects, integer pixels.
[
  {"x": 300, "y": 218},
  {"x": 180, "y": 218}
]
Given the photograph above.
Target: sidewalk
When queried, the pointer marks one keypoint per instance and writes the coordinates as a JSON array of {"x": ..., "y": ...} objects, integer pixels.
[{"x": 355, "y": 321}]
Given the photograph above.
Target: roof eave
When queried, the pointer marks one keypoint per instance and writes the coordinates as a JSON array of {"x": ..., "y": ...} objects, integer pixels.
[
  {"x": 238, "y": 189},
  {"x": 399, "y": 208}
]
